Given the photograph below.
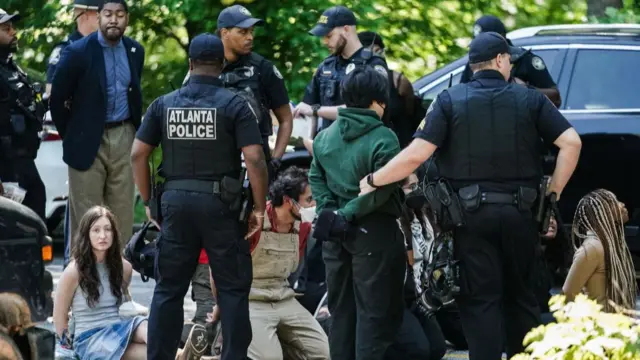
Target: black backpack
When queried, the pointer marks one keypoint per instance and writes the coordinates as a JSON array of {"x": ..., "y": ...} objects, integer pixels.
[{"x": 141, "y": 253}]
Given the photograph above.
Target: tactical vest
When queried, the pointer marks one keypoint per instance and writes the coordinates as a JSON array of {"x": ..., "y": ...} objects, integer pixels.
[
  {"x": 492, "y": 136},
  {"x": 275, "y": 257},
  {"x": 331, "y": 74},
  {"x": 245, "y": 81},
  {"x": 26, "y": 113},
  {"x": 189, "y": 151}
]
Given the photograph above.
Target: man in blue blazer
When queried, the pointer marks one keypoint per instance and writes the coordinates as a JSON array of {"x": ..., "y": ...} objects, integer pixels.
[{"x": 96, "y": 105}]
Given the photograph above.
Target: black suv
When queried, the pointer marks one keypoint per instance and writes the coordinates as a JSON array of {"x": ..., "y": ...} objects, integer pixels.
[{"x": 596, "y": 69}]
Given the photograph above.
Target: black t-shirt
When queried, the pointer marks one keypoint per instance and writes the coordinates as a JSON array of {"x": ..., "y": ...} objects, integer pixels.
[
  {"x": 312, "y": 92},
  {"x": 549, "y": 121},
  {"x": 272, "y": 86},
  {"x": 240, "y": 121},
  {"x": 529, "y": 68}
]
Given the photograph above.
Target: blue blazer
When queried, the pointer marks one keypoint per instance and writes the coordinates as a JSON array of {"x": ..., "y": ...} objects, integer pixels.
[{"x": 78, "y": 99}]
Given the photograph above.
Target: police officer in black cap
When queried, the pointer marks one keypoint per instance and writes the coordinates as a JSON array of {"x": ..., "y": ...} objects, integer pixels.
[
  {"x": 488, "y": 133},
  {"x": 85, "y": 14},
  {"x": 203, "y": 129},
  {"x": 528, "y": 69},
  {"x": 21, "y": 115},
  {"x": 245, "y": 68},
  {"x": 337, "y": 28}
]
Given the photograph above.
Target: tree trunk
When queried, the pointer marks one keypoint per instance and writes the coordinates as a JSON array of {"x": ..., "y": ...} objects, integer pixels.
[{"x": 597, "y": 7}]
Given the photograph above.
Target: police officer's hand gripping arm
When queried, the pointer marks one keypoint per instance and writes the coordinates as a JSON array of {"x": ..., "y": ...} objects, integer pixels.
[{"x": 310, "y": 106}]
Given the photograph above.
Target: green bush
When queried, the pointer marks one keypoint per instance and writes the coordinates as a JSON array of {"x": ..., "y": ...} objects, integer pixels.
[{"x": 583, "y": 332}]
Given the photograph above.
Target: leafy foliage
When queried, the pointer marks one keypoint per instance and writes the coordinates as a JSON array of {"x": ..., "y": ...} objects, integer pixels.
[
  {"x": 420, "y": 34},
  {"x": 583, "y": 332}
]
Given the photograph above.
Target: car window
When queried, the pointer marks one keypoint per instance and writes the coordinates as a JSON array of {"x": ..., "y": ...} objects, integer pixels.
[
  {"x": 605, "y": 79},
  {"x": 431, "y": 94}
]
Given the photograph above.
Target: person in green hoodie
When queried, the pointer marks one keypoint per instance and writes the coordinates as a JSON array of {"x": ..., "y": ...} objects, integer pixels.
[{"x": 363, "y": 247}]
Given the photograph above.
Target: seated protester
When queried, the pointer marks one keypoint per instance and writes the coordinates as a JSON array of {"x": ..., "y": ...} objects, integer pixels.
[
  {"x": 602, "y": 265},
  {"x": 281, "y": 327},
  {"x": 93, "y": 286},
  {"x": 418, "y": 225}
]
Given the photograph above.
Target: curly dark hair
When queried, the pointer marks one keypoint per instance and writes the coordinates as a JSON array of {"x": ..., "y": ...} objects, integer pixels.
[
  {"x": 291, "y": 182},
  {"x": 86, "y": 259}
]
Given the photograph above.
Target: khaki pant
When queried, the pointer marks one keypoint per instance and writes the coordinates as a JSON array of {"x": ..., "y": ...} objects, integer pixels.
[
  {"x": 285, "y": 330},
  {"x": 108, "y": 182}
]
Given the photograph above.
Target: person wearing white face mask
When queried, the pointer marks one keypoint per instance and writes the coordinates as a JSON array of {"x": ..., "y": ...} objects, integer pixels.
[{"x": 281, "y": 327}]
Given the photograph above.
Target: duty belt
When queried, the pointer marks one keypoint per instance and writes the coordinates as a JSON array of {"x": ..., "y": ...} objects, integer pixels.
[
  {"x": 202, "y": 186},
  {"x": 498, "y": 198}
]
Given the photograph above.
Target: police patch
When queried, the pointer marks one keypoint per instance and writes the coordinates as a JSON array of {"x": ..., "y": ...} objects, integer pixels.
[
  {"x": 538, "y": 63},
  {"x": 191, "y": 123},
  {"x": 381, "y": 69},
  {"x": 477, "y": 29},
  {"x": 55, "y": 55},
  {"x": 350, "y": 68},
  {"x": 243, "y": 10},
  {"x": 275, "y": 71},
  {"x": 421, "y": 126}
]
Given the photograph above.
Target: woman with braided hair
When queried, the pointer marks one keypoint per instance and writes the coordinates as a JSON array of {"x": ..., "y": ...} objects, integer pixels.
[{"x": 602, "y": 264}]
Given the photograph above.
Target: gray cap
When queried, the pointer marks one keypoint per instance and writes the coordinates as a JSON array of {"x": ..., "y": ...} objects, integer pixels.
[
  {"x": 4, "y": 17},
  {"x": 87, "y": 4}
]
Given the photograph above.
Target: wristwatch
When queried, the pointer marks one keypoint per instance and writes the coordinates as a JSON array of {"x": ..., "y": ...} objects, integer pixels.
[
  {"x": 370, "y": 181},
  {"x": 315, "y": 109}
]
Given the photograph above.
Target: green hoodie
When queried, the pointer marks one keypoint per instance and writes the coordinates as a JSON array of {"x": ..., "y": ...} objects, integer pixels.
[{"x": 356, "y": 145}]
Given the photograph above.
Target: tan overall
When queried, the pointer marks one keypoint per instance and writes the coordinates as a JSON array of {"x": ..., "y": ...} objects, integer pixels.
[{"x": 282, "y": 328}]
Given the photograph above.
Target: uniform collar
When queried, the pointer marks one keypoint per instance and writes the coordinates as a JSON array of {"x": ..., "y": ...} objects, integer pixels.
[
  {"x": 488, "y": 74},
  {"x": 241, "y": 60},
  {"x": 353, "y": 56},
  {"x": 205, "y": 79}
]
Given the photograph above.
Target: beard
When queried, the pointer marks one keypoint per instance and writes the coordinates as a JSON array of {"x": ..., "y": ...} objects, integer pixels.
[
  {"x": 112, "y": 33},
  {"x": 342, "y": 43},
  {"x": 10, "y": 48}
]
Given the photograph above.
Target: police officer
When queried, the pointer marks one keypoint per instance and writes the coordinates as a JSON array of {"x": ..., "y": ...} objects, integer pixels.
[
  {"x": 85, "y": 14},
  {"x": 245, "y": 67},
  {"x": 337, "y": 28},
  {"x": 21, "y": 114},
  {"x": 528, "y": 69},
  {"x": 487, "y": 133},
  {"x": 203, "y": 130}
]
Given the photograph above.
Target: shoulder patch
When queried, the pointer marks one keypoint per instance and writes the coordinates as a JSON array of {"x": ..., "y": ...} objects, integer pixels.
[
  {"x": 538, "y": 63},
  {"x": 350, "y": 68},
  {"x": 381, "y": 69},
  {"x": 55, "y": 55},
  {"x": 421, "y": 126},
  {"x": 275, "y": 71}
]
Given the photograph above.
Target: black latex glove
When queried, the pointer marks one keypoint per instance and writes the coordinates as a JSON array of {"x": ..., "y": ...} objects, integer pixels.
[{"x": 331, "y": 226}]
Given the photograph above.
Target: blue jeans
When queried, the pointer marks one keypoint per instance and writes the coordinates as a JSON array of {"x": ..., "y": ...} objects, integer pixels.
[{"x": 192, "y": 221}]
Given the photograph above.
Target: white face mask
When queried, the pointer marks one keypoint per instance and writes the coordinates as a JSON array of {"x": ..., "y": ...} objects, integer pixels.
[{"x": 307, "y": 214}]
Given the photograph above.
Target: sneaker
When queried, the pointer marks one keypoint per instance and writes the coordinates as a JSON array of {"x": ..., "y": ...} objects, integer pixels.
[{"x": 197, "y": 343}]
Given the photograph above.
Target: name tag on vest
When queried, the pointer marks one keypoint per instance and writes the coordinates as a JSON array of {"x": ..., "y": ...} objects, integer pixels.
[{"x": 191, "y": 123}]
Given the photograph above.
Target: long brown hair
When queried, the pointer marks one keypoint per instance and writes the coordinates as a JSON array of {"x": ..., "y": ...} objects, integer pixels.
[
  {"x": 15, "y": 315},
  {"x": 599, "y": 212},
  {"x": 86, "y": 260}
]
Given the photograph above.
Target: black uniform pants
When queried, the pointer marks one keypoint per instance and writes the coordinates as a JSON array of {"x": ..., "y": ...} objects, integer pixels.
[
  {"x": 419, "y": 338},
  {"x": 25, "y": 173},
  {"x": 497, "y": 251},
  {"x": 365, "y": 280},
  {"x": 192, "y": 221}
]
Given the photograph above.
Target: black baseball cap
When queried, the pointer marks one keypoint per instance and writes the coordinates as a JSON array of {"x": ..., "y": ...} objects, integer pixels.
[
  {"x": 489, "y": 23},
  {"x": 206, "y": 47},
  {"x": 237, "y": 16},
  {"x": 332, "y": 18},
  {"x": 4, "y": 17},
  {"x": 488, "y": 45}
]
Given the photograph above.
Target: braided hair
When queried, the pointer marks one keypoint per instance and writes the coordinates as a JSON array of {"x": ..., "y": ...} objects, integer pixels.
[{"x": 600, "y": 212}]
